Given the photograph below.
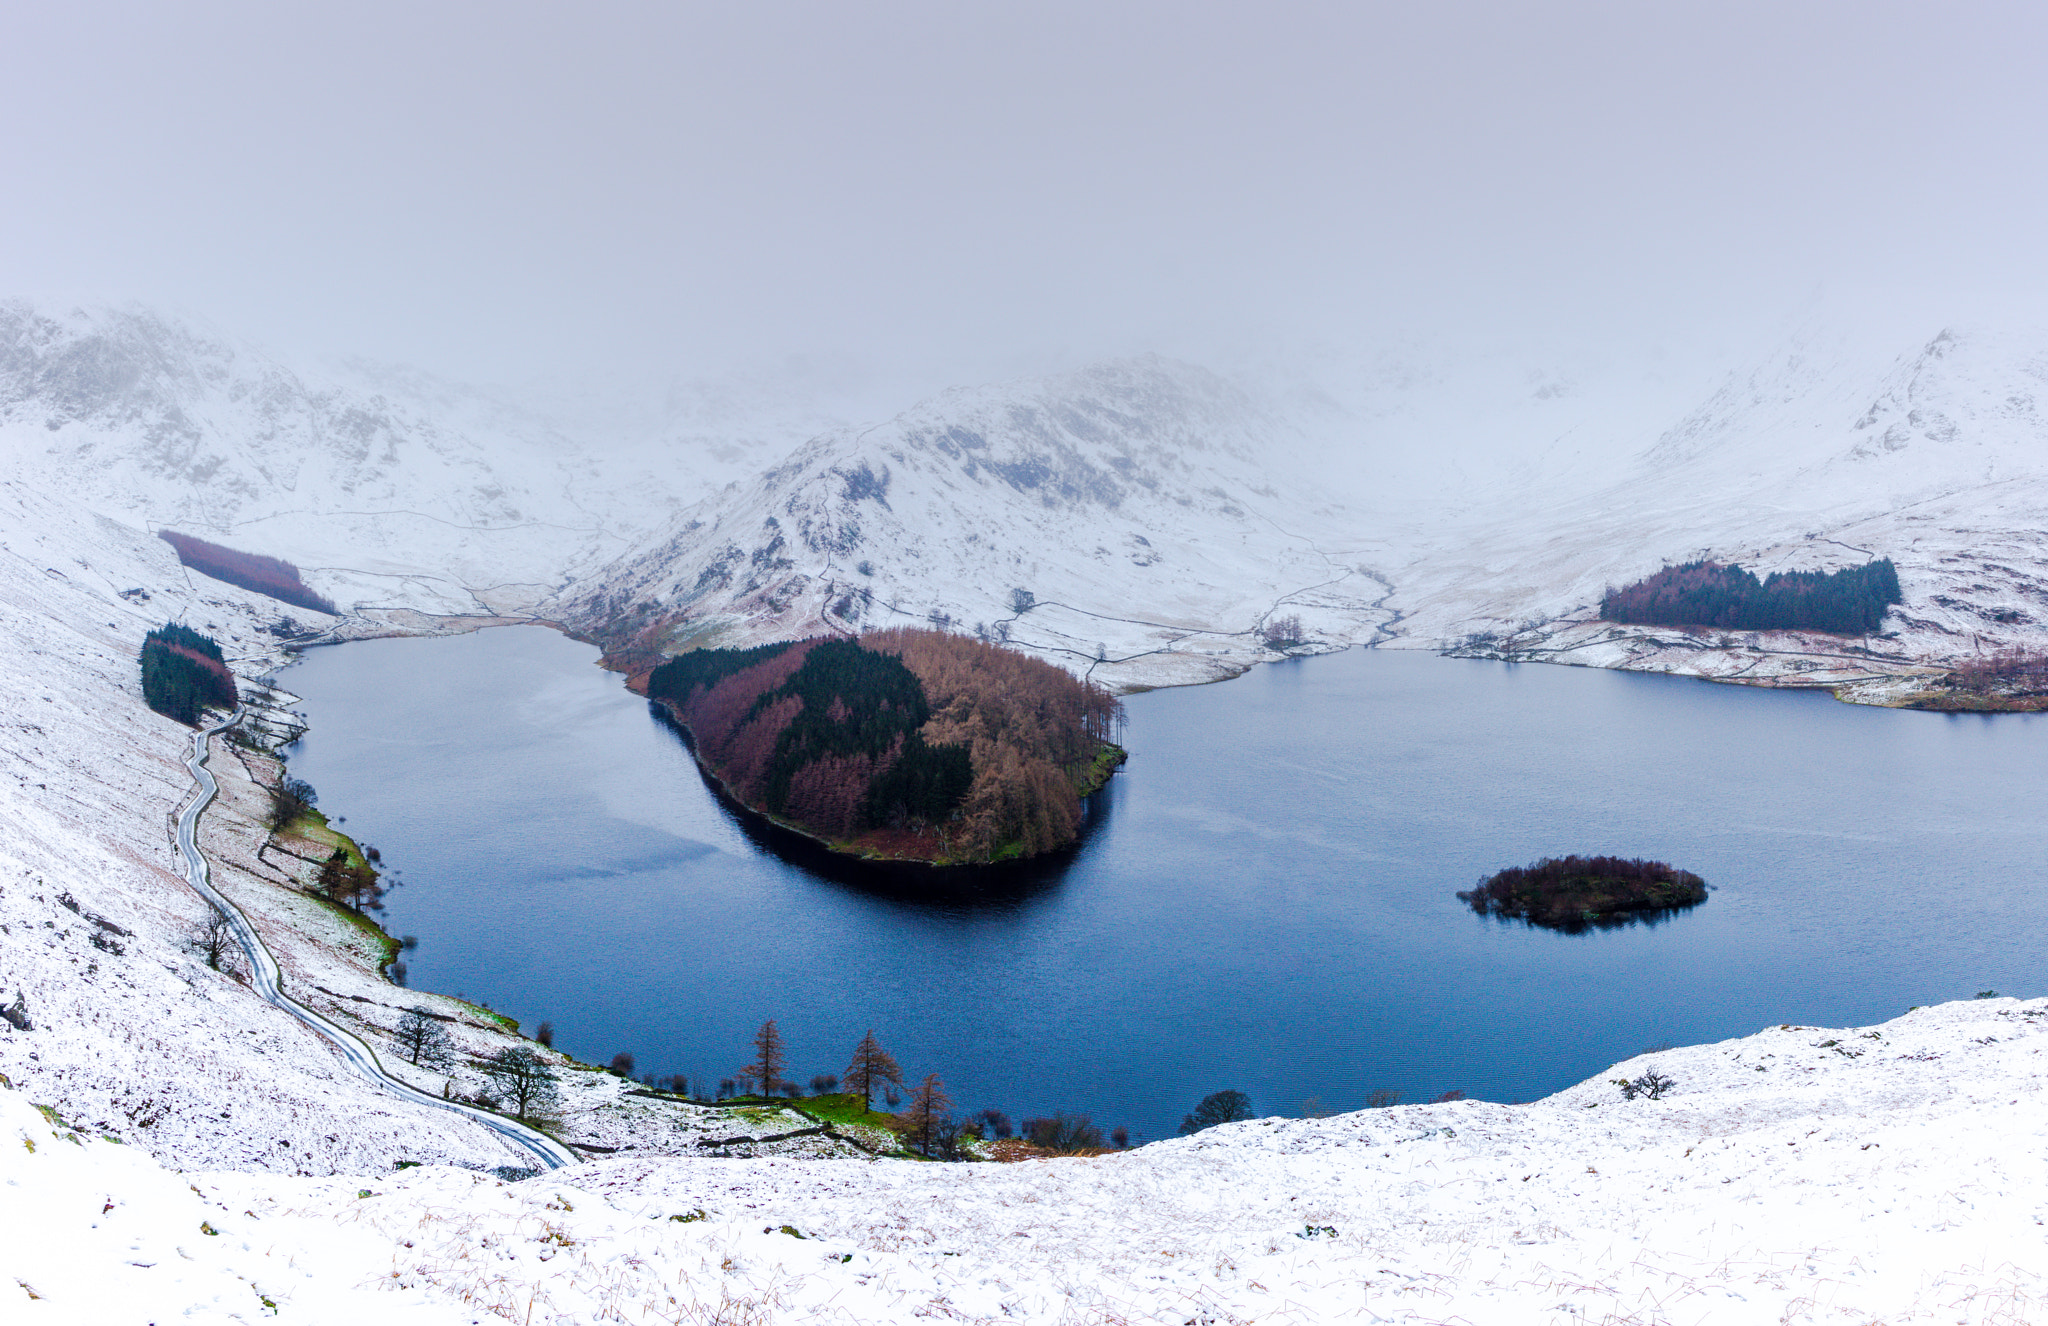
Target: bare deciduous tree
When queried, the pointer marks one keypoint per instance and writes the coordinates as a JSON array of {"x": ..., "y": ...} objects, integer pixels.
[
  {"x": 1064, "y": 1134},
  {"x": 214, "y": 938},
  {"x": 422, "y": 1039},
  {"x": 928, "y": 1104},
  {"x": 1652, "y": 1084},
  {"x": 523, "y": 1079}
]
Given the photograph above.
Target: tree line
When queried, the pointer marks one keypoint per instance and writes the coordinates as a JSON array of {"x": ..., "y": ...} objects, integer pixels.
[
  {"x": 253, "y": 571},
  {"x": 1705, "y": 593},
  {"x": 183, "y": 673},
  {"x": 2015, "y": 670}
]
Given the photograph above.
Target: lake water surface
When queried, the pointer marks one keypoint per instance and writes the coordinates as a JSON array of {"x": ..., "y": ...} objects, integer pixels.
[{"x": 1264, "y": 900}]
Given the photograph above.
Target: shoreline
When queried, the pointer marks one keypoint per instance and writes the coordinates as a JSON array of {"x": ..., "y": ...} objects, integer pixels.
[{"x": 839, "y": 851}]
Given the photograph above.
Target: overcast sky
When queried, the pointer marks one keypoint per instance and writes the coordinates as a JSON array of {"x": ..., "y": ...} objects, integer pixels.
[{"x": 502, "y": 190}]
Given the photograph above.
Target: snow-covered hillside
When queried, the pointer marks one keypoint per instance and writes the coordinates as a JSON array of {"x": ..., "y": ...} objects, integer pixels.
[
  {"x": 1860, "y": 1175},
  {"x": 1825, "y": 455},
  {"x": 127, "y": 1028},
  {"x": 388, "y": 488},
  {"x": 1139, "y": 521}
]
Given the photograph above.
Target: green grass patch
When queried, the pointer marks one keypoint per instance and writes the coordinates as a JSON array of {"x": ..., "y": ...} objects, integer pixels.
[
  {"x": 313, "y": 827},
  {"x": 1093, "y": 775},
  {"x": 492, "y": 1015},
  {"x": 843, "y": 1107}
]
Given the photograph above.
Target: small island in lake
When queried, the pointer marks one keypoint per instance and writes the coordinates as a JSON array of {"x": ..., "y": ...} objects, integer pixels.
[
  {"x": 901, "y": 745},
  {"x": 1573, "y": 892}
]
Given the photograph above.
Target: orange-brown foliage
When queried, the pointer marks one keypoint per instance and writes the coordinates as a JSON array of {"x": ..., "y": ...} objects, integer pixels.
[
  {"x": 1031, "y": 730},
  {"x": 737, "y": 749},
  {"x": 265, "y": 575}
]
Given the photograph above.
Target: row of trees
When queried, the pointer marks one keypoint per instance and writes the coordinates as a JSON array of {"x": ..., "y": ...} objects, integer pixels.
[
  {"x": 353, "y": 884},
  {"x": 183, "y": 674},
  {"x": 926, "y": 1122},
  {"x": 520, "y": 1080},
  {"x": 2016, "y": 670},
  {"x": 1848, "y": 602},
  {"x": 265, "y": 575}
]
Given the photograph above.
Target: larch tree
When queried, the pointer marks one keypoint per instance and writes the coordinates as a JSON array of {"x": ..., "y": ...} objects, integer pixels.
[
  {"x": 769, "y": 1058},
  {"x": 871, "y": 1068},
  {"x": 928, "y": 1105}
]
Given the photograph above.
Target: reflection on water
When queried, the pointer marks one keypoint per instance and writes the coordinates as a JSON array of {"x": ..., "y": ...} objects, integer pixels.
[
  {"x": 1003, "y": 885},
  {"x": 1265, "y": 899}
]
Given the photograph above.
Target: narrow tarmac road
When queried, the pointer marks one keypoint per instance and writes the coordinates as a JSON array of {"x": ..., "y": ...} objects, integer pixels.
[{"x": 267, "y": 980}]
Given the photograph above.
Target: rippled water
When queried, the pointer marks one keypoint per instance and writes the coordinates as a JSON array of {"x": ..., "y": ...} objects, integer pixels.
[{"x": 1264, "y": 900}]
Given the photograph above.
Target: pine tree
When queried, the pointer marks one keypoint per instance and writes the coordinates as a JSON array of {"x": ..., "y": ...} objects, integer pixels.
[
  {"x": 769, "y": 1058},
  {"x": 871, "y": 1067}
]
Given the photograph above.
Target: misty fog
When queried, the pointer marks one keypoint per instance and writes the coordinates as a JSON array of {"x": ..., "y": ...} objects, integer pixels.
[{"x": 875, "y": 201}]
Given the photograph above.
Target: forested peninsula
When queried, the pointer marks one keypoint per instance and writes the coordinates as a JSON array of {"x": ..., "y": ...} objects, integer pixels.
[{"x": 904, "y": 745}]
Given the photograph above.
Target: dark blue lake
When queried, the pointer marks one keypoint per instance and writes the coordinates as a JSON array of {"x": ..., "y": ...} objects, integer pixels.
[{"x": 1264, "y": 901}]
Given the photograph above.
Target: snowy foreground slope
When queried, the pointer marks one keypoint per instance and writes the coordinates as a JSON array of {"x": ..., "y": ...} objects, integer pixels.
[{"x": 1883, "y": 1174}]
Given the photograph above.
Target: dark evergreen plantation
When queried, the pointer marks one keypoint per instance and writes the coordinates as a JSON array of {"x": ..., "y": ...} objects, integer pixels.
[
  {"x": 908, "y": 743},
  {"x": 1850, "y": 602},
  {"x": 183, "y": 673}
]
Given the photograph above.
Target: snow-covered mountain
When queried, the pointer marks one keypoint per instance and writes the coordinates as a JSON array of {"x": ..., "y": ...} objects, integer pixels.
[
  {"x": 1141, "y": 519},
  {"x": 1825, "y": 454},
  {"x": 387, "y": 487}
]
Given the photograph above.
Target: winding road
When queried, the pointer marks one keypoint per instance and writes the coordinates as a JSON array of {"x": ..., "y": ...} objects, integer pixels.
[{"x": 267, "y": 980}]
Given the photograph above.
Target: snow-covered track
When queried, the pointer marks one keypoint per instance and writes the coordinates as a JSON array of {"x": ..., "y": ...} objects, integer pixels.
[{"x": 267, "y": 979}]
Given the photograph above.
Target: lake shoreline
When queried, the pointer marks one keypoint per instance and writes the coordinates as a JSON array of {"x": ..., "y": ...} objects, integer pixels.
[{"x": 671, "y": 716}]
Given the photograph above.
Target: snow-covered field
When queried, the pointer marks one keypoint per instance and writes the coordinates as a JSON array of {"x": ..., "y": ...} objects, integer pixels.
[{"x": 1860, "y": 1175}]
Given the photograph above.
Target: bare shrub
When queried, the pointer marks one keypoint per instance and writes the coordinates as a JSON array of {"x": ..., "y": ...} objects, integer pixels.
[
  {"x": 1652, "y": 1084},
  {"x": 1064, "y": 1134}
]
